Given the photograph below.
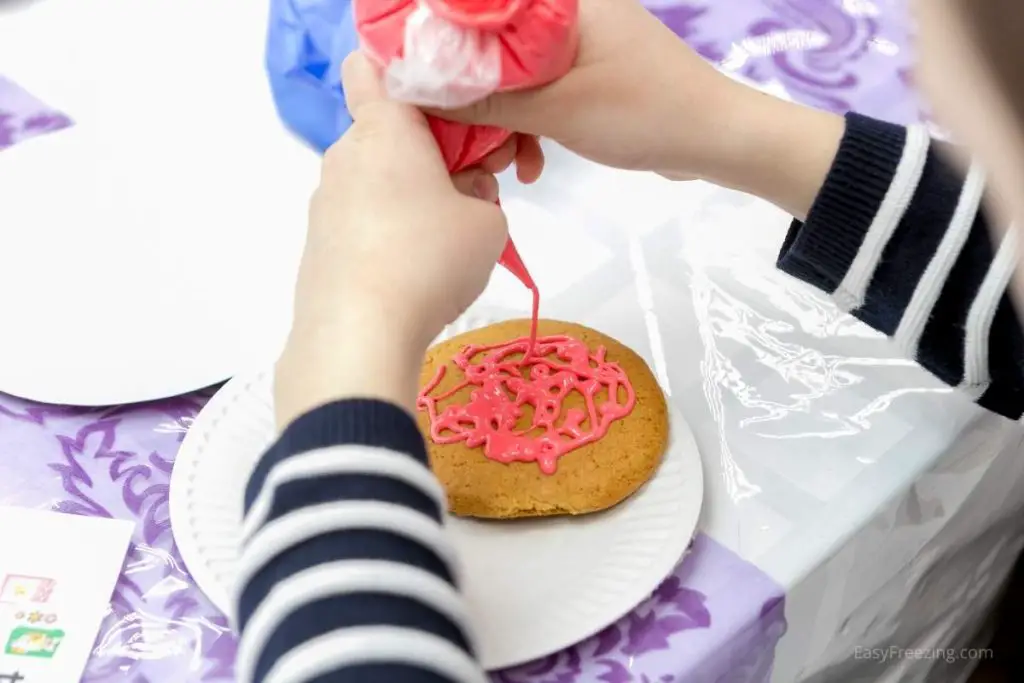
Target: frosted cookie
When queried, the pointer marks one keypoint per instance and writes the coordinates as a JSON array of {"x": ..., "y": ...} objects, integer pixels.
[{"x": 576, "y": 428}]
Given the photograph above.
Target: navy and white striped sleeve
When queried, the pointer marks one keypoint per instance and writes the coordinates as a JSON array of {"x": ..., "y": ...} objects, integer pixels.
[
  {"x": 346, "y": 572},
  {"x": 900, "y": 239}
]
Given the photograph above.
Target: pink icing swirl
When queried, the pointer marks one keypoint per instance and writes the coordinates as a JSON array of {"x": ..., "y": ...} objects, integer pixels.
[{"x": 508, "y": 377}]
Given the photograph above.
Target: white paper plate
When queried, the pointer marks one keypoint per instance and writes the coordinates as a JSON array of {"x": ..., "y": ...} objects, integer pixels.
[
  {"x": 551, "y": 582},
  {"x": 151, "y": 248}
]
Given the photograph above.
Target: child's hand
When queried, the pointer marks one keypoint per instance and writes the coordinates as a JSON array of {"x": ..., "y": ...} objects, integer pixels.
[
  {"x": 639, "y": 98},
  {"x": 396, "y": 250}
]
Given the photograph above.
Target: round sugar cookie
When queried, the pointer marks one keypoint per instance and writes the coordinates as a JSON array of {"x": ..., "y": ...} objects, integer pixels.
[{"x": 593, "y": 477}]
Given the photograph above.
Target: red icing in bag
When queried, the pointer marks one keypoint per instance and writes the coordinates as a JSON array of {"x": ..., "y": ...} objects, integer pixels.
[
  {"x": 538, "y": 37},
  {"x": 463, "y": 146},
  {"x": 558, "y": 366},
  {"x": 537, "y": 45}
]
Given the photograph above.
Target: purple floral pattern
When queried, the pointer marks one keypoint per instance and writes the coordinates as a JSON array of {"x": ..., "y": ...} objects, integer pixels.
[
  {"x": 23, "y": 116},
  {"x": 671, "y": 610},
  {"x": 716, "y": 619}
]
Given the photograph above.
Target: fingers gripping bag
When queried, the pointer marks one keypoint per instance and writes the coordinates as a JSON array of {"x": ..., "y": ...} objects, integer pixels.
[{"x": 448, "y": 54}]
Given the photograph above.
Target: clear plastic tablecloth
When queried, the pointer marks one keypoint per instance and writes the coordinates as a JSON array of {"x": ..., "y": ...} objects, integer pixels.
[{"x": 859, "y": 517}]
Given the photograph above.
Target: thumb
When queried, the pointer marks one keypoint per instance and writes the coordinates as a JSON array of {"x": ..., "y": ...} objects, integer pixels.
[
  {"x": 361, "y": 82},
  {"x": 477, "y": 183}
]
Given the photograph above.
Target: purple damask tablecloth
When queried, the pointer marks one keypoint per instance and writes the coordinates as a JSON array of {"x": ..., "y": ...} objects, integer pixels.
[
  {"x": 717, "y": 618},
  {"x": 23, "y": 116}
]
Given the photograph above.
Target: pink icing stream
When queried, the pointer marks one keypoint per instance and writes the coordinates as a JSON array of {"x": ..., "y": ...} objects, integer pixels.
[{"x": 556, "y": 366}]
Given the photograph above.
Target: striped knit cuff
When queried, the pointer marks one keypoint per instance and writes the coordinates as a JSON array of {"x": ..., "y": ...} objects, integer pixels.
[
  {"x": 363, "y": 422},
  {"x": 821, "y": 250}
]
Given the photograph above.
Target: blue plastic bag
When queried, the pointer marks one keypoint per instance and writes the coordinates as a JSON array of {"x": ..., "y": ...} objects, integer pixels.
[{"x": 307, "y": 40}]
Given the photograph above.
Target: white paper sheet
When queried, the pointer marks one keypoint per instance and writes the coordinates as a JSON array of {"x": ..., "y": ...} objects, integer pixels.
[{"x": 57, "y": 573}]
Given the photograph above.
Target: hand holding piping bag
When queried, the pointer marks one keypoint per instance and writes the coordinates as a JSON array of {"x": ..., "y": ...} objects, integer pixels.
[
  {"x": 637, "y": 97},
  {"x": 380, "y": 278},
  {"x": 452, "y": 53}
]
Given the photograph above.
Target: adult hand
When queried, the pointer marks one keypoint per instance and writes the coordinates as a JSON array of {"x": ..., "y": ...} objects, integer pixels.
[{"x": 396, "y": 249}]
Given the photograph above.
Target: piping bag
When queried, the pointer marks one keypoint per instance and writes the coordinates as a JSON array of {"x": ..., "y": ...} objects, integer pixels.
[{"x": 448, "y": 54}]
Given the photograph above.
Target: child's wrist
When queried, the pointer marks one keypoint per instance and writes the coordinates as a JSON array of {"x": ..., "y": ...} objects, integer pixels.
[
  {"x": 357, "y": 355},
  {"x": 719, "y": 142},
  {"x": 747, "y": 125},
  {"x": 778, "y": 150}
]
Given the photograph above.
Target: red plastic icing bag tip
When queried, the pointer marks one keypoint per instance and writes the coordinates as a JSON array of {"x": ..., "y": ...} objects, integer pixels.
[{"x": 513, "y": 263}]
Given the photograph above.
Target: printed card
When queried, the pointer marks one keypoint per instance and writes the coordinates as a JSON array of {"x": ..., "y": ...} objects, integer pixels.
[{"x": 57, "y": 573}]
